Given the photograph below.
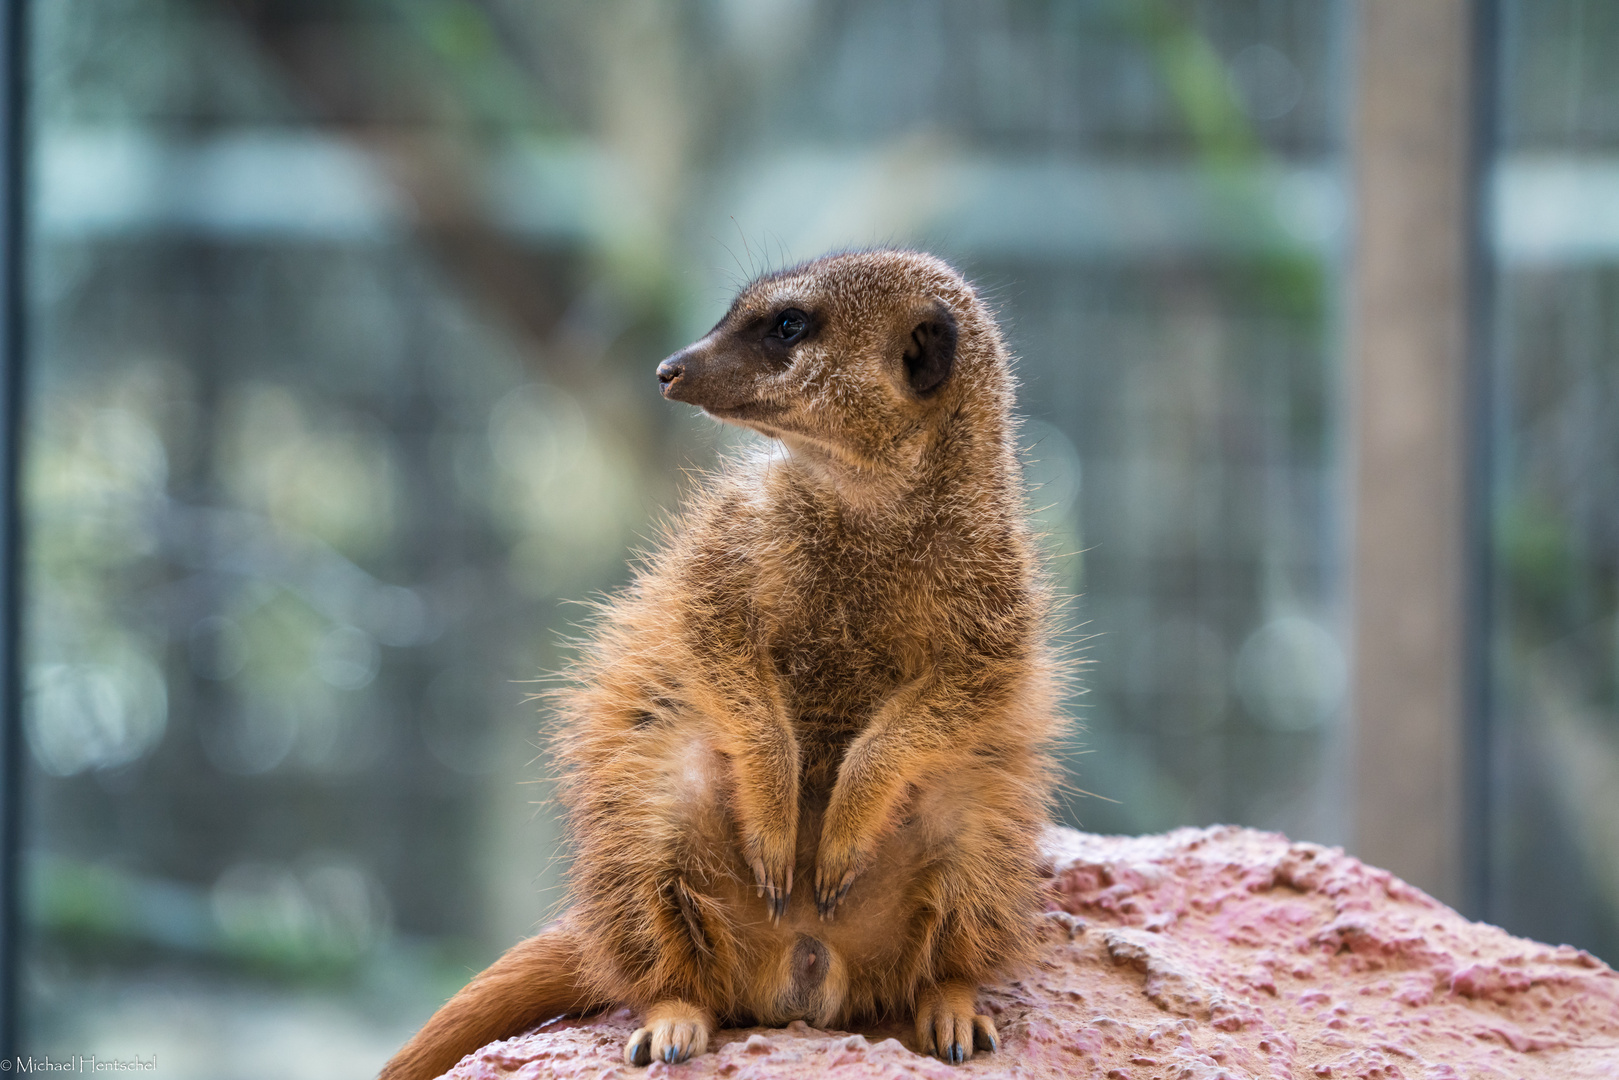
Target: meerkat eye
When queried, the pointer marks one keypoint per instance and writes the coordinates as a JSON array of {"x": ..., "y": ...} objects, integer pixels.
[{"x": 790, "y": 326}]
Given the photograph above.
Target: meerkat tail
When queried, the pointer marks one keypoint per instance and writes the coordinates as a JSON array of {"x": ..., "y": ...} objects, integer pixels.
[{"x": 535, "y": 980}]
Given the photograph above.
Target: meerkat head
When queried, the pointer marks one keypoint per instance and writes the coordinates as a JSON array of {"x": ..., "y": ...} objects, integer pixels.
[{"x": 856, "y": 357}]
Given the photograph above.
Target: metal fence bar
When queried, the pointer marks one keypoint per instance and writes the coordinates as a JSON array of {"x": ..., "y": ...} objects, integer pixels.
[{"x": 13, "y": 136}]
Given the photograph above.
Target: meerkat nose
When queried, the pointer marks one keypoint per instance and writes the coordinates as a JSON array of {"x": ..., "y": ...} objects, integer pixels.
[{"x": 670, "y": 370}]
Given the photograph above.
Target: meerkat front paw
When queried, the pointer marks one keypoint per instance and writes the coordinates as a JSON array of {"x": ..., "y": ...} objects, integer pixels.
[
  {"x": 771, "y": 855},
  {"x": 837, "y": 864},
  {"x": 948, "y": 1025},
  {"x": 675, "y": 1030}
]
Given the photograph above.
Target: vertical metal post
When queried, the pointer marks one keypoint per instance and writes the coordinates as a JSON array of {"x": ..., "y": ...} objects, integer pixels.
[
  {"x": 1409, "y": 421},
  {"x": 1478, "y": 701},
  {"x": 13, "y": 136}
]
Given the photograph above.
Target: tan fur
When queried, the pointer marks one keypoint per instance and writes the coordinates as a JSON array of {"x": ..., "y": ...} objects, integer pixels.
[{"x": 805, "y": 755}]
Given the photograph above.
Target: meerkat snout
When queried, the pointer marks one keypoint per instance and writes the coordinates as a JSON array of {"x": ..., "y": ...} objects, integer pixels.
[{"x": 670, "y": 370}]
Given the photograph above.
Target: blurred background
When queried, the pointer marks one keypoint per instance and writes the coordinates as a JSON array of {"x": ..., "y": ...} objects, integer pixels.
[{"x": 342, "y": 321}]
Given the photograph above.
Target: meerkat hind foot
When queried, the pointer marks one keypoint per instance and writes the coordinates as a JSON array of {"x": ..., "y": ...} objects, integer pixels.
[
  {"x": 674, "y": 1031},
  {"x": 948, "y": 1027}
]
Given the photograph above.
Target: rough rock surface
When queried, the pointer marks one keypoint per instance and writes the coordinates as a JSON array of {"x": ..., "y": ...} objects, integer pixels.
[{"x": 1197, "y": 955}]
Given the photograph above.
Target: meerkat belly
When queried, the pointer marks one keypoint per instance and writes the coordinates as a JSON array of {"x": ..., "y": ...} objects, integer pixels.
[{"x": 828, "y": 971}]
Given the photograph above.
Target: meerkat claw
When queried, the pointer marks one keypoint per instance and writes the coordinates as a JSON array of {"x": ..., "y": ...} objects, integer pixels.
[
  {"x": 785, "y": 894},
  {"x": 984, "y": 1034},
  {"x": 774, "y": 894},
  {"x": 638, "y": 1051},
  {"x": 829, "y": 896}
]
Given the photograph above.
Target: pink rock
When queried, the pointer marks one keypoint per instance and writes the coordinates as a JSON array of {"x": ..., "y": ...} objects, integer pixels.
[{"x": 1198, "y": 955}]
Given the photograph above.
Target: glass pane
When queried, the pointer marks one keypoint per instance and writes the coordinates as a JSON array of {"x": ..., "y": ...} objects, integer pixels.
[
  {"x": 345, "y": 316},
  {"x": 1555, "y": 811}
]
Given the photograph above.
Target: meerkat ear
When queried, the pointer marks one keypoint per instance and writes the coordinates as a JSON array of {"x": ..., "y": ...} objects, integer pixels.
[{"x": 930, "y": 352}]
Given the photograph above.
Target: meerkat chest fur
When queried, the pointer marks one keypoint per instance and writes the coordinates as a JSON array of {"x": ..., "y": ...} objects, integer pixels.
[
  {"x": 854, "y": 602},
  {"x": 838, "y": 617}
]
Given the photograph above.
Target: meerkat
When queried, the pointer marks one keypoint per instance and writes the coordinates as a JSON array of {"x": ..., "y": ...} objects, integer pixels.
[{"x": 805, "y": 756}]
